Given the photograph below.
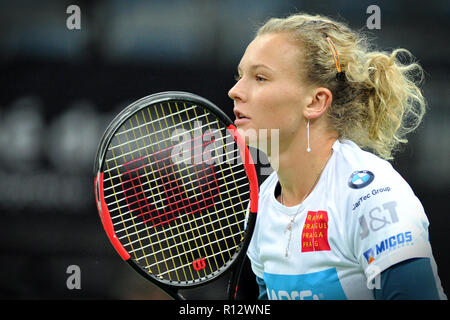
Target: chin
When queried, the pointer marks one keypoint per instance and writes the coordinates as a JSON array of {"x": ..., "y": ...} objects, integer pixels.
[{"x": 254, "y": 138}]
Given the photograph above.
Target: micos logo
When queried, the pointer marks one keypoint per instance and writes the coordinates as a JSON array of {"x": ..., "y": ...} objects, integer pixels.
[{"x": 390, "y": 243}]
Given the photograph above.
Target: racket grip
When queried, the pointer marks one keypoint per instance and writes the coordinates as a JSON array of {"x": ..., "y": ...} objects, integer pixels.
[{"x": 233, "y": 283}]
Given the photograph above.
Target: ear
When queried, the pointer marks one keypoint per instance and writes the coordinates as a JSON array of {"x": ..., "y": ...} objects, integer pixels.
[{"x": 320, "y": 102}]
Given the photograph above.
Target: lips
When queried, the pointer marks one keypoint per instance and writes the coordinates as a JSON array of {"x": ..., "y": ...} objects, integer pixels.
[{"x": 241, "y": 118}]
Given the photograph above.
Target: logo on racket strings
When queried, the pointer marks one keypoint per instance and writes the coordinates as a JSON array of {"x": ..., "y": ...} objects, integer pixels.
[{"x": 199, "y": 264}]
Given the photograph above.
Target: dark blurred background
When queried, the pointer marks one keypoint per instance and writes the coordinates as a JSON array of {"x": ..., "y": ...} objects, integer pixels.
[{"x": 59, "y": 88}]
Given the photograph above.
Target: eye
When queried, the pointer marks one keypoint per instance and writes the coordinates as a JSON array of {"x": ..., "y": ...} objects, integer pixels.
[
  {"x": 260, "y": 79},
  {"x": 237, "y": 77}
]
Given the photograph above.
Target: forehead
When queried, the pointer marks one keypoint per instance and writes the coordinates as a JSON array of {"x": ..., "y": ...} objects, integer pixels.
[{"x": 275, "y": 50}]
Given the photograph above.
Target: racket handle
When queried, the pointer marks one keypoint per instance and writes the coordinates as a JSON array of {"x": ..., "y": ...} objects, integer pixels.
[{"x": 233, "y": 284}]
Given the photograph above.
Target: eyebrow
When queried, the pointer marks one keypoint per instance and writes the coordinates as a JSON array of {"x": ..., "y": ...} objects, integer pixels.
[{"x": 256, "y": 66}]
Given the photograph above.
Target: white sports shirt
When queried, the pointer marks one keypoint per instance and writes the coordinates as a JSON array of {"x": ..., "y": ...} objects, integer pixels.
[{"x": 361, "y": 218}]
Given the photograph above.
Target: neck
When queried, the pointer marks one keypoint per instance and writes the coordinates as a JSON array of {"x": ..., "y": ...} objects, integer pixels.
[{"x": 298, "y": 170}]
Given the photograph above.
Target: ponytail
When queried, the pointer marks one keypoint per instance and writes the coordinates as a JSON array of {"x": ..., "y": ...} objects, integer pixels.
[{"x": 395, "y": 105}]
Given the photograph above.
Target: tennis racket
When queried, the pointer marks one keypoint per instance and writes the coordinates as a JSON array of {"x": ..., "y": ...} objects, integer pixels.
[{"x": 177, "y": 192}]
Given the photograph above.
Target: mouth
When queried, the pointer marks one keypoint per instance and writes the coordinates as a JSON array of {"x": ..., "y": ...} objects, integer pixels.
[
  {"x": 241, "y": 118},
  {"x": 239, "y": 115}
]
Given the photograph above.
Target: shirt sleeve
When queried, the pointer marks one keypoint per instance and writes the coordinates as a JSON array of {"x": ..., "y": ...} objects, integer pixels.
[
  {"x": 390, "y": 226},
  {"x": 262, "y": 289},
  {"x": 395, "y": 282}
]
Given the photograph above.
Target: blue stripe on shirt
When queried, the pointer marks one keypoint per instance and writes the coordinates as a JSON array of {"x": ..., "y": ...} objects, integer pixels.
[{"x": 411, "y": 279}]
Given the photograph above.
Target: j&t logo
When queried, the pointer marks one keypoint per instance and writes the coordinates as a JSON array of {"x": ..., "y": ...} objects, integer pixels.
[{"x": 360, "y": 179}]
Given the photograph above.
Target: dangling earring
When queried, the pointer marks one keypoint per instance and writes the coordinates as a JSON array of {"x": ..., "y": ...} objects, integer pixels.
[{"x": 308, "y": 149}]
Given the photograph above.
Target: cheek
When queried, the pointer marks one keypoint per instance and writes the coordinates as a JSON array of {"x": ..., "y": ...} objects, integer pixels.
[
  {"x": 279, "y": 106},
  {"x": 280, "y": 114}
]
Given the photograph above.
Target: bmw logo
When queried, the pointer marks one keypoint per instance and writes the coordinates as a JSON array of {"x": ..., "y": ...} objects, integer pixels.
[{"x": 360, "y": 179}]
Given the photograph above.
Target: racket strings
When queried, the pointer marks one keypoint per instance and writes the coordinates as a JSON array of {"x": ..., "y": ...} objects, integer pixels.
[
  {"x": 197, "y": 246},
  {"x": 216, "y": 211},
  {"x": 175, "y": 193},
  {"x": 217, "y": 158},
  {"x": 148, "y": 136},
  {"x": 125, "y": 131},
  {"x": 215, "y": 208},
  {"x": 160, "y": 201},
  {"x": 181, "y": 224},
  {"x": 166, "y": 242},
  {"x": 171, "y": 216},
  {"x": 229, "y": 195}
]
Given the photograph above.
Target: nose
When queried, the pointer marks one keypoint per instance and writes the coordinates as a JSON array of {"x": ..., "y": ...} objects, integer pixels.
[{"x": 236, "y": 93}]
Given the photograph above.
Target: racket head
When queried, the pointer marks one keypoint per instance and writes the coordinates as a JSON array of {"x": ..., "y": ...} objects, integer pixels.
[{"x": 181, "y": 219}]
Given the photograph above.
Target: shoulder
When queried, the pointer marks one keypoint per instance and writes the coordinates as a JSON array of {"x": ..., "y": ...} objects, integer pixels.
[
  {"x": 363, "y": 174},
  {"x": 387, "y": 221},
  {"x": 373, "y": 191}
]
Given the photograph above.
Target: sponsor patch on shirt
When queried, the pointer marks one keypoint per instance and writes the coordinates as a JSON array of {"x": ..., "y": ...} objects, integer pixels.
[
  {"x": 310, "y": 286},
  {"x": 389, "y": 244},
  {"x": 315, "y": 232},
  {"x": 360, "y": 179}
]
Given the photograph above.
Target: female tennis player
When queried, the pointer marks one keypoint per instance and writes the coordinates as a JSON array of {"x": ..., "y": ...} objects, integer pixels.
[{"x": 336, "y": 221}]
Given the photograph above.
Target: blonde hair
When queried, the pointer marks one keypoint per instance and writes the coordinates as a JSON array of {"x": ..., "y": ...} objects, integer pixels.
[{"x": 378, "y": 102}]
